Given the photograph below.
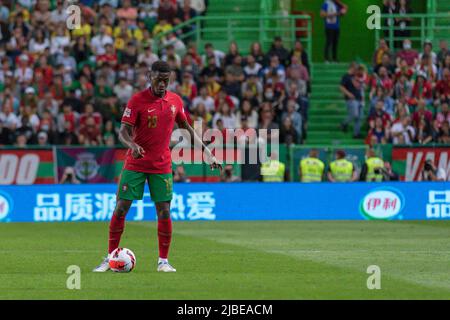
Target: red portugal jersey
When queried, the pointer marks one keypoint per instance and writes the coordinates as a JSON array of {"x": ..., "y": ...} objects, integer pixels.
[{"x": 152, "y": 119}]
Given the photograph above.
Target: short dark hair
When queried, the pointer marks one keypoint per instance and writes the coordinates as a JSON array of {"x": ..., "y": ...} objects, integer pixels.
[{"x": 160, "y": 66}]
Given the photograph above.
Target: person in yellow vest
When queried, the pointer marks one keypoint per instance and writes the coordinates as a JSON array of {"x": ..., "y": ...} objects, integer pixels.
[
  {"x": 273, "y": 170},
  {"x": 311, "y": 168},
  {"x": 372, "y": 169},
  {"x": 341, "y": 170}
]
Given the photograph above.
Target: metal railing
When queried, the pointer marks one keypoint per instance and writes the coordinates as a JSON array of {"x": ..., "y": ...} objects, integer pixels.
[
  {"x": 221, "y": 30},
  {"x": 432, "y": 26}
]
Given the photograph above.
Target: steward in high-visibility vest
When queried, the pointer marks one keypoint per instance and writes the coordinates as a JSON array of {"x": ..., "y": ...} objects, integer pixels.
[
  {"x": 368, "y": 169},
  {"x": 341, "y": 170},
  {"x": 311, "y": 168},
  {"x": 372, "y": 164},
  {"x": 273, "y": 171}
]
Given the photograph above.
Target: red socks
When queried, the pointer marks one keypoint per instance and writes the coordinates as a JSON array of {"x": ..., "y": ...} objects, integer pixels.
[
  {"x": 116, "y": 227},
  {"x": 164, "y": 236}
]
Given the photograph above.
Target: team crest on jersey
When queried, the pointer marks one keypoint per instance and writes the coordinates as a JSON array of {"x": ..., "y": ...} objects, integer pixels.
[
  {"x": 173, "y": 108},
  {"x": 125, "y": 187}
]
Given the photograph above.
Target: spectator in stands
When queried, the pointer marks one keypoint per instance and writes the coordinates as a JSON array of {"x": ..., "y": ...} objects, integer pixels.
[
  {"x": 224, "y": 113},
  {"x": 422, "y": 90},
  {"x": 89, "y": 134},
  {"x": 402, "y": 131},
  {"x": 382, "y": 50},
  {"x": 443, "y": 115},
  {"x": 179, "y": 174},
  {"x": 443, "y": 87},
  {"x": 295, "y": 116},
  {"x": 288, "y": 134},
  {"x": 389, "y": 7},
  {"x": 300, "y": 53},
  {"x": 386, "y": 62},
  {"x": 410, "y": 55},
  {"x": 249, "y": 113},
  {"x": 404, "y": 21},
  {"x": 379, "y": 112},
  {"x": 444, "y": 136},
  {"x": 42, "y": 139},
  {"x": 378, "y": 133},
  {"x": 351, "y": 89},
  {"x": 213, "y": 70},
  {"x": 279, "y": 50},
  {"x": 443, "y": 52},
  {"x": 257, "y": 53},
  {"x": 210, "y": 52},
  {"x": 421, "y": 113},
  {"x": 331, "y": 11}
]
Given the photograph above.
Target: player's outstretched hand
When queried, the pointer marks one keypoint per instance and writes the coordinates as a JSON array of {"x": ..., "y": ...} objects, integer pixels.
[
  {"x": 215, "y": 164},
  {"x": 137, "y": 151}
]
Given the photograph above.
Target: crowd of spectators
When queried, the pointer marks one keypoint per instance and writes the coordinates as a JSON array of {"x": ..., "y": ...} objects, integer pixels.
[
  {"x": 408, "y": 92},
  {"x": 69, "y": 87}
]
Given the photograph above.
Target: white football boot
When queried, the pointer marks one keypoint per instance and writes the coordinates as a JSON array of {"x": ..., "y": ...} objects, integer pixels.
[
  {"x": 104, "y": 266},
  {"x": 164, "y": 266}
]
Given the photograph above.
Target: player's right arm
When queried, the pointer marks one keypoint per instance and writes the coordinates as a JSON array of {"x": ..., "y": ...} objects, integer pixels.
[
  {"x": 125, "y": 136},
  {"x": 129, "y": 119}
]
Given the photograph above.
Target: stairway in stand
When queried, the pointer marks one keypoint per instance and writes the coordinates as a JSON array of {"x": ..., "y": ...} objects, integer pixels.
[{"x": 327, "y": 107}]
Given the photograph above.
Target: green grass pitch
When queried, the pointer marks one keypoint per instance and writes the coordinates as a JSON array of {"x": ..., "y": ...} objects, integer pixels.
[{"x": 232, "y": 260}]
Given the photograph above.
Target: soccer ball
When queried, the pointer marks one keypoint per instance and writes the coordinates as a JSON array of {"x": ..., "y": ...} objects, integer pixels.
[{"x": 122, "y": 260}]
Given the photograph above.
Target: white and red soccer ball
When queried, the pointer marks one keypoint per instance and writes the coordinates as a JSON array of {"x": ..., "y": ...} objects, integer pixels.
[{"x": 122, "y": 260}]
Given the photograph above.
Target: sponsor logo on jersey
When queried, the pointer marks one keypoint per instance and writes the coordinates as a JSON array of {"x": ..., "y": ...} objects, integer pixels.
[{"x": 382, "y": 204}]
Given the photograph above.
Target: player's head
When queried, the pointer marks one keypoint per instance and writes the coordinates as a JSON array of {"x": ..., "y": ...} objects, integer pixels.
[{"x": 159, "y": 77}]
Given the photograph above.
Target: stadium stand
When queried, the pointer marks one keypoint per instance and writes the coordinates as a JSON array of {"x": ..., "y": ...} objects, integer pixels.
[{"x": 69, "y": 87}]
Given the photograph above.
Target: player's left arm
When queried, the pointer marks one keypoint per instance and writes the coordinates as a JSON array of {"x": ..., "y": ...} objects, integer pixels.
[{"x": 184, "y": 124}]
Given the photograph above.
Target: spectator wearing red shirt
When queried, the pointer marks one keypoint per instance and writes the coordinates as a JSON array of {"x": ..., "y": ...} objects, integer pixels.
[
  {"x": 90, "y": 134},
  {"x": 222, "y": 96},
  {"x": 382, "y": 80},
  {"x": 378, "y": 112},
  {"x": 422, "y": 89},
  {"x": 67, "y": 120},
  {"x": 45, "y": 69},
  {"x": 421, "y": 113},
  {"x": 90, "y": 113},
  {"x": 403, "y": 69},
  {"x": 443, "y": 86},
  {"x": 167, "y": 11},
  {"x": 410, "y": 55},
  {"x": 57, "y": 88},
  {"x": 108, "y": 57}
]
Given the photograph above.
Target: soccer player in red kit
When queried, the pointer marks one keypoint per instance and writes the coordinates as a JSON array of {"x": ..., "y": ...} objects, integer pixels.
[{"x": 146, "y": 128}]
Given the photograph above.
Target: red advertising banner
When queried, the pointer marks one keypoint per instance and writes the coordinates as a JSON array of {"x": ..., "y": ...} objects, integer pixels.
[
  {"x": 408, "y": 162},
  {"x": 30, "y": 166}
]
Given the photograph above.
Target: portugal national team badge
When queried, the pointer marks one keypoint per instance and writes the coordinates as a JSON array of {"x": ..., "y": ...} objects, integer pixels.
[
  {"x": 125, "y": 187},
  {"x": 173, "y": 108}
]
